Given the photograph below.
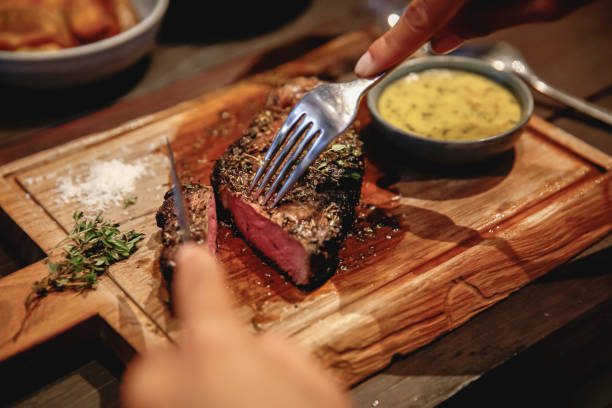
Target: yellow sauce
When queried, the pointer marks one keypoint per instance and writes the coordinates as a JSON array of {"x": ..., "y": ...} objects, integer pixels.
[{"x": 449, "y": 105}]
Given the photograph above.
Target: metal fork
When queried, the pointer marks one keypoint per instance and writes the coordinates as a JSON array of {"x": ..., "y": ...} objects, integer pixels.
[{"x": 322, "y": 114}]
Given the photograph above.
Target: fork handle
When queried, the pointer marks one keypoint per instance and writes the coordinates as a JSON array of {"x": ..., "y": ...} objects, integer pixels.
[
  {"x": 353, "y": 91},
  {"x": 367, "y": 83}
]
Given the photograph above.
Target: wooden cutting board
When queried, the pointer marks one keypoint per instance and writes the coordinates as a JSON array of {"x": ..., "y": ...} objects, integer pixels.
[{"x": 431, "y": 248}]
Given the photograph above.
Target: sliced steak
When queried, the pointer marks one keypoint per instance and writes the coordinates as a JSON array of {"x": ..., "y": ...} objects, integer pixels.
[
  {"x": 200, "y": 207},
  {"x": 303, "y": 233}
]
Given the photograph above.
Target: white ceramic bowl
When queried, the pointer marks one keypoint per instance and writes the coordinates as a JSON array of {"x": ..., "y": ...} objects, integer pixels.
[{"x": 85, "y": 63}]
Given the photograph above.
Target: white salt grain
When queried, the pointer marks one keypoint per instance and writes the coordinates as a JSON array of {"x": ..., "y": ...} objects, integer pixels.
[{"x": 106, "y": 183}]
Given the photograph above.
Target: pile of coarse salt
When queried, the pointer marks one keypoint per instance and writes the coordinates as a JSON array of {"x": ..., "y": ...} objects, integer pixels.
[{"x": 108, "y": 182}]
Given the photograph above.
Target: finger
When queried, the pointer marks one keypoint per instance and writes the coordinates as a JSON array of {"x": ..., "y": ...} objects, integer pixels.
[
  {"x": 199, "y": 291},
  {"x": 298, "y": 364},
  {"x": 482, "y": 17},
  {"x": 286, "y": 353},
  {"x": 445, "y": 43},
  {"x": 421, "y": 19},
  {"x": 145, "y": 382}
]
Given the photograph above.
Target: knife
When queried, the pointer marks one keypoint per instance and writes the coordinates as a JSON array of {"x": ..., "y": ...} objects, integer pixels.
[
  {"x": 179, "y": 200},
  {"x": 179, "y": 210}
]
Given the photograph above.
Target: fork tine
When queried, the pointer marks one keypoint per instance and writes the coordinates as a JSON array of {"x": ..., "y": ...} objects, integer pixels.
[
  {"x": 289, "y": 123},
  {"x": 303, "y": 127},
  {"x": 317, "y": 147},
  {"x": 294, "y": 156}
]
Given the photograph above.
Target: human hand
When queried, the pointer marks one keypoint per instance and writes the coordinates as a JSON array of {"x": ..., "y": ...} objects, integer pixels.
[
  {"x": 218, "y": 363},
  {"x": 447, "y": 23}
]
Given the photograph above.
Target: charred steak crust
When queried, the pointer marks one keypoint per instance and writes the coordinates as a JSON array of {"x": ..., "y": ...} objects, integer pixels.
[
  {"x": 200, "y": 205},
  {"x": 318, "y": 211}
]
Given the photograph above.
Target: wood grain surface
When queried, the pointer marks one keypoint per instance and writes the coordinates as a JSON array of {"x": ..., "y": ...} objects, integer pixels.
[{"x": 446, "y": 243}]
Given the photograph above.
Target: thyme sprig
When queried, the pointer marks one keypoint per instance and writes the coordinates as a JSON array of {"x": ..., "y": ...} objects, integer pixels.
[
  {"x": 130, "y": 201},
  {"x": 90, "y": 248}
]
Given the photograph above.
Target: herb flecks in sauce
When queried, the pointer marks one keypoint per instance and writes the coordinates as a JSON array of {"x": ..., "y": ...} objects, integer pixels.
[{"x": 449, "y": 105}]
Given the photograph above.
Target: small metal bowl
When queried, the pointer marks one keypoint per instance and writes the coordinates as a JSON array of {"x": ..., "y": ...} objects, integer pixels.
[{"x": 446, "y": 151}]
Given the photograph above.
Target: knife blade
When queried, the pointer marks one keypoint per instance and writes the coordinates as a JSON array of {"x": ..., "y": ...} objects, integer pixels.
[
  {"x": 179, "y": 200},
  {"x": 179, "y": 209}
]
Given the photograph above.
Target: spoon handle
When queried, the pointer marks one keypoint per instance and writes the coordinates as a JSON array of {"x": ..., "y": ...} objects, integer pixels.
[{"x": 581, "y": 105}]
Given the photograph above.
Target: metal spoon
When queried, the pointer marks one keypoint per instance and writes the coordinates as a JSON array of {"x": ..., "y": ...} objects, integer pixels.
[{"x": 505, "y": 57}]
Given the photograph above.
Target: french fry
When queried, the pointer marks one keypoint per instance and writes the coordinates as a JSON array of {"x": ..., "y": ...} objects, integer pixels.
[
  {"x": 37, "y": 25},
  {"x": 124, "y": 13},
  {"x": 89, "y": 20},
  {"x": 25, "y": 25}
]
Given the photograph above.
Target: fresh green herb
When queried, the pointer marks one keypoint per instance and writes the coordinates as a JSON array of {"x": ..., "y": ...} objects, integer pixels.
[
  {"x": 355, "y": 175},
  {"x": 340, "y": 162},
  {"x": 92, "y": 246},
  {"x": 129, "y": 202},
  {"x": 322, "y": 165},
  {"x": 338, "y": 147},
  {"x": 188, "y": 185}
]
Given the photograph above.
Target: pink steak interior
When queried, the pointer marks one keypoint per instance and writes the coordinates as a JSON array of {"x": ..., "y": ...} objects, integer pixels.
[{"x": 269, "y": 238}]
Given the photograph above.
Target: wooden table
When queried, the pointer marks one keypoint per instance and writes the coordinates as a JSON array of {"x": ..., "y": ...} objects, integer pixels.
[{"x": 552, "y": 336}]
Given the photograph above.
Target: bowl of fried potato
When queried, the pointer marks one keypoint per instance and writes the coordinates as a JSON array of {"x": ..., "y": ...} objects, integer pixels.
[{"x": 58, "y": 43}]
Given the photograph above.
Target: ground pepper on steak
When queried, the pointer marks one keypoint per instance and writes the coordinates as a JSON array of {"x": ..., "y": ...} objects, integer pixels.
[
  {"x": 200, "y": 207},
  {"x": 303, "y": 233}
]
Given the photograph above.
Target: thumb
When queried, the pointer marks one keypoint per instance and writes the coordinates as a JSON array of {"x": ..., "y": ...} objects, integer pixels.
[
  {"x": 421, "y": 20},
  {"x": 199, "y": 288}
]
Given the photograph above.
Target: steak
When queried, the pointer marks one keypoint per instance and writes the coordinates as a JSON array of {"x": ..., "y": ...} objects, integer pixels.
[
  {"x": 303, "y": 232},
  {"x": 201, "y": 210}
]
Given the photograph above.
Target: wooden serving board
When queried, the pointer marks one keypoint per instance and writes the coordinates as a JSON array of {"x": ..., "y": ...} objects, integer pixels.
[{"x": 431, "y": 248}]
